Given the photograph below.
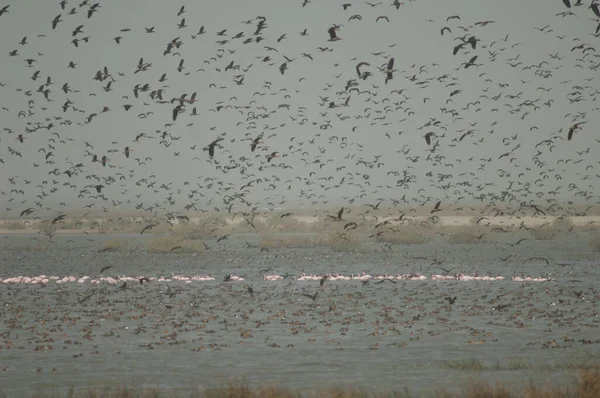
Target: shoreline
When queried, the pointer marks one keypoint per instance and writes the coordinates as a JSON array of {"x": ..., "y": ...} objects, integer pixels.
[{"x": 24, "y": 227}]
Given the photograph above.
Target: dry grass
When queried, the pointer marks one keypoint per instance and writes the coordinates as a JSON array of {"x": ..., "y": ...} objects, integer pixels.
[
  {"x": 590, "y": 226},
  {"x": 474, "y": 364},
  {"x": 543, "y": 233},
  {"x": 273, "y": 241},
  {"x": 562, "y": 224},
  {"x": 289, "y": 224},
  {"x": 551, "y": 230},
  {"x": 173, "y": 244},
  {"x": 406, "y": 235},
  {"x": 48, "y": 229},
  {"x": 471, "y": 234},
  {"x": 594, "y": 241},
  {"x": 336, "y": 241},
  {"x": 480, "y": 390},
  {"x": 341, "y": 241},
  {"x": 115, "y": 245},
  {"x": 586, "y": 385},
  {"x": 14, "y": 225},
  {"x": 308, "y": 232},
  {"x": 511, "y": 364},
  {"x": 191, "y": 231}
]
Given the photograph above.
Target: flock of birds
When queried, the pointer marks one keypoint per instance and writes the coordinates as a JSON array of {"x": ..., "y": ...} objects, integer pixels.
[
  {"x": 363, "y": 277},
  {"x": 253, "y": 117},
  {"x": 382, "y": 127}
]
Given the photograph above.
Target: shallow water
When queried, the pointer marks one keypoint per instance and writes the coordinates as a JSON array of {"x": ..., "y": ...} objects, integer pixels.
[{"x": 387, "y": 336}]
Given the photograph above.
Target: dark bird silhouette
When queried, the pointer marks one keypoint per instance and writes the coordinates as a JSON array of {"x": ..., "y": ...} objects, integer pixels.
[
  {"x": 313, "y": 297},
  {"x": 332, "y": 34},
  {"x": 26, "y": 212},
  {"x": 105, "y": 268},
  {"x": 428, "y": 137},
  {"x": 450, "y": 300},
  {"x": 519, "y": 241},
  {"x": 147, "y": 228},
  {"x": 255, "y": 143},
  {"x": 223, "y": 238},
  {"x": 596, "y": 9},
  {"x": 471, "y": 62},
  {"x": 389, "y": 73},
  {"x": 211, "y": 147},
  {"x": 573, "y": 129},
  {"x": 350, "y": 226},
  {"x": 338, "y": 217},
  {"x": 58, "y": 218}
]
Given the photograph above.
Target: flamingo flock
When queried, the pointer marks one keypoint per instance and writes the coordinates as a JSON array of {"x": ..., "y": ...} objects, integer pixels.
[{"x": 364, "y": 277}]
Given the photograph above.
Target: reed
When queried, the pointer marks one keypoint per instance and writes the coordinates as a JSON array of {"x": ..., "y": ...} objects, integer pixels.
[
  {"x": 173, "y": 244},
  {"x": 586, "y": 384},
  {"x": 468, "y": 234},
  {"x": 594, "y": 241}
]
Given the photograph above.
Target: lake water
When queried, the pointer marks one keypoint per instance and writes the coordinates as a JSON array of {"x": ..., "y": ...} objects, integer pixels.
[{"x": 389, "y": 336}]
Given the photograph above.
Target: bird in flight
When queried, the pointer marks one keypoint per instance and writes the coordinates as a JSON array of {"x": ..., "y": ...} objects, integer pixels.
[
  {"x": 338, "y": 217},
  {"x": 573, "y": 129},
  {"x": 211, "y": 147},
  {"x": 333, "y": 33},
  {"x": 389, "y": 72}
]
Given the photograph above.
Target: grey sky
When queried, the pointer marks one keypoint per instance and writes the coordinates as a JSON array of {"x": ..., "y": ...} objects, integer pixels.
[{"x": 413, "y": 31}]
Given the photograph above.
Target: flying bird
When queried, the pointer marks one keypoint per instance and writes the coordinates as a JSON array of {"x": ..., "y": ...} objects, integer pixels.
[
  {"x": 255, "y": 142},
  {"x": 389, "y": 71},
  {"x": 338, "y": 217},
  {"x": 573, "y": 129},
  {"x": 211, "y": 147},
  {"x": 428, "y": 137},
  {"x": 436, "y": 208},
  {"x": 333, "y": 34}
]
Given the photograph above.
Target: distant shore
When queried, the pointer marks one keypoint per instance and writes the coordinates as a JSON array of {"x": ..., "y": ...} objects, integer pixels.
[{"x": 275, "y": 221}]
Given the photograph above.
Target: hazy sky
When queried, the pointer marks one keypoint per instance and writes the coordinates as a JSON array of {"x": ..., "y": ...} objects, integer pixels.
[{"x": 527, "y": 87}]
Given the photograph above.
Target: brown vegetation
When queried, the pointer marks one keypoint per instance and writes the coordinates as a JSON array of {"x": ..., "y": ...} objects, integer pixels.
[
  {"x": 552, "y": 229},
  {"x": 468, "y": 234},
  {"x": 586, "y": 385},
  {"x": 594, "y": 241},
  {"x": 294, "y": 231}
]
